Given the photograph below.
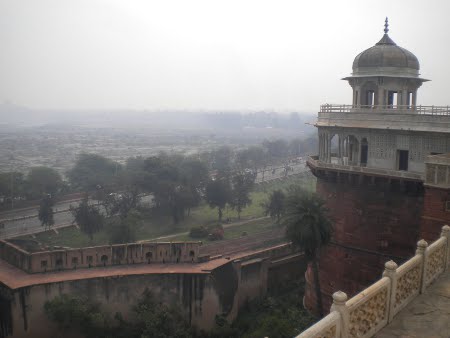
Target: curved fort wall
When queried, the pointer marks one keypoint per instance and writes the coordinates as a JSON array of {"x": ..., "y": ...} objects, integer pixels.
[
  {"x": 372, "y": 223},
  {"x": 200, "y": 286}
]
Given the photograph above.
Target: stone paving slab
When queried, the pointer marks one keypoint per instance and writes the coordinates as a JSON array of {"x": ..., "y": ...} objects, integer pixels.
[{"x": 427, "y": 316}]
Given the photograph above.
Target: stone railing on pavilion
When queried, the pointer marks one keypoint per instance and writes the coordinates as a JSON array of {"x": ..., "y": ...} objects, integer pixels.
[
  {"x": 373, "y": 308},
  {"x": 407, "y": 109},
  {"x": 313, "y": 161}
]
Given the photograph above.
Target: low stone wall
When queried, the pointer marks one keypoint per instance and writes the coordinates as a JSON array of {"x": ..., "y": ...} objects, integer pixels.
[
  {"x": 373, "y": 308},
  {"x": 132, "y": 253}
]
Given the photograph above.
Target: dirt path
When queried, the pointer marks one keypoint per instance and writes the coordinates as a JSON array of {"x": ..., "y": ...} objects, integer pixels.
[
  {"x": 246, "y": 243},
  {"x": 227, "y": 225}
]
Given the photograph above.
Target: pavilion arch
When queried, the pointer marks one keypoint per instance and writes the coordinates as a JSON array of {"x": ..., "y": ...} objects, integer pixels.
[
  {"x": 351, "y": 150},
  {"x": 369, "y": 94},
  {"x": 149, "y": 256}
]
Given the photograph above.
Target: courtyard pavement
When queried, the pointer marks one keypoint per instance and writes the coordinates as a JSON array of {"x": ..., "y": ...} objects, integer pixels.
[{"x": 427, "y": 316}]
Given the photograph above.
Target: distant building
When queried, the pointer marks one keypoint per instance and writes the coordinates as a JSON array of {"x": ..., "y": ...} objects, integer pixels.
[{"x": 384, "y": 187}]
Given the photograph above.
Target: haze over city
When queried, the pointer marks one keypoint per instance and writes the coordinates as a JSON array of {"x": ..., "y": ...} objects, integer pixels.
[
  {"x": 224, "y": 169},
  {"x": 206, "y": 55}
]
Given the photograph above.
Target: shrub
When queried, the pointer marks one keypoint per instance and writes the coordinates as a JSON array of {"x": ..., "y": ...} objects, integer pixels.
[
  {"x": 216, "y": 232},
  {"x": 198, "y": 232}
]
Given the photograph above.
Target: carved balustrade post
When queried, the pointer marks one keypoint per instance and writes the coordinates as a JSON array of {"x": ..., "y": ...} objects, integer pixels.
[
  {"x": 339, "y": 300},
  {"x": 422, "y": 250},
  {"x": 390, "y": 270},
  {"x": 446, "y": 233}
]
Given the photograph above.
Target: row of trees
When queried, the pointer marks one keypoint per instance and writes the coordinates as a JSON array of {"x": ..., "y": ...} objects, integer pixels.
[
  {"x": 38, "y": 182},
  {"x": 91, "y": 172},
  {"x": 176, "y": 184}
]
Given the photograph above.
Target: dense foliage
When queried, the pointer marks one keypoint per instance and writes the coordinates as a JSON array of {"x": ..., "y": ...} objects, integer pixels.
[
  {"x": 309, "y": 227},
  {"x": 45, "y": 213},
  {"x": 88, "y": 217},
  {"x": 279, "y": 315},
  {"x": 275, "y": 206}
]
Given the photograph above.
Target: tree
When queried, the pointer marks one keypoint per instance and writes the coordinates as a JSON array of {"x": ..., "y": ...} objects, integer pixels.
[
  {"x": 92, "y": 170},
  {"x": 222, "y": 159},
  {"x": 123, "y": 229},
  {"x": 296, "y": 147},
  {"x": 309, "y": 227},
  {"x": 88, "y": 217},
  {"x": 45, "y": 214},
  {"x": 176, "y": 183},
  {"x": 78, "y": 314},
  {"x": 217, "y": 194},
  {"x": 11, "y": 185},
  {"x": 275, "y": 206},
  {"x": 253, "y": 157},
  {"x": 148, "y": 318},
  {"x": 240, "y": 195},
  {"x": 155, "y": 319},
  {"x": 41, "y": 181},
  {"x": 276, "y": 149}
]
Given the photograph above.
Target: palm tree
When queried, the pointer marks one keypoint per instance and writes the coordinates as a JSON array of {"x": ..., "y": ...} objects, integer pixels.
[{"x": 308, "y": 227}]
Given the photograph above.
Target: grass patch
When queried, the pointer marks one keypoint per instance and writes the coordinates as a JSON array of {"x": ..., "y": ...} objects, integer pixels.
[{"x": 152, "y": 226}]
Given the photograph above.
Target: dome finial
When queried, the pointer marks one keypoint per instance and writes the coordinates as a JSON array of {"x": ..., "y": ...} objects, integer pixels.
[{"x": 386, "y": 26}]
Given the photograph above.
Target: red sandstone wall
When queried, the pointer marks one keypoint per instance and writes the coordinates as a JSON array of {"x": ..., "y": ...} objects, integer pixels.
[
  {"x": 434, "y": 213},
  {"x": 372, "y": 224}
]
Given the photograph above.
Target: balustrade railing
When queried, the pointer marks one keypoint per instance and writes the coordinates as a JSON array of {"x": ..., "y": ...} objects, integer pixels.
[
  {"x": 373, "y": 308},
  {"x": 407, "y": 109},
  {"x": 314, "y": 161}
]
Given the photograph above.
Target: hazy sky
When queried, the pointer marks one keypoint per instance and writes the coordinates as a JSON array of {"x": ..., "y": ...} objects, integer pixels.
[{"x": 273, "y": 55}]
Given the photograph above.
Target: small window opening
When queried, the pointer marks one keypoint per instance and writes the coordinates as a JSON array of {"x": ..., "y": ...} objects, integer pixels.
[
  {"x": 409, "y": 100},
  {"x": 74, "y": 260},
  {"x": 364, "y": 152},
  {"x": 43, "y": 264},
  {"x": 392, "y": 99},
  {"x": 370, "y": 98},
  {"x": 403, "y": 156},
  {"x": 104, "y": 259}
]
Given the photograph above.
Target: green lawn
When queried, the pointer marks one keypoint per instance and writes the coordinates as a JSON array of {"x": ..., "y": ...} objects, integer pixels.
[{"x": 151, "y": 227}]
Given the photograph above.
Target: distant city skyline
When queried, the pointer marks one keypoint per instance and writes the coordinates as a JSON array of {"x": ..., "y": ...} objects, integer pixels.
[{"x": 207, "y": 55}]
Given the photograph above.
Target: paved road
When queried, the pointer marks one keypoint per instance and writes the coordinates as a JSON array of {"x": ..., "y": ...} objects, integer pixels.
[
  {"x": 275, "y": 172},
  {"x": 26, "y": 222}
]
